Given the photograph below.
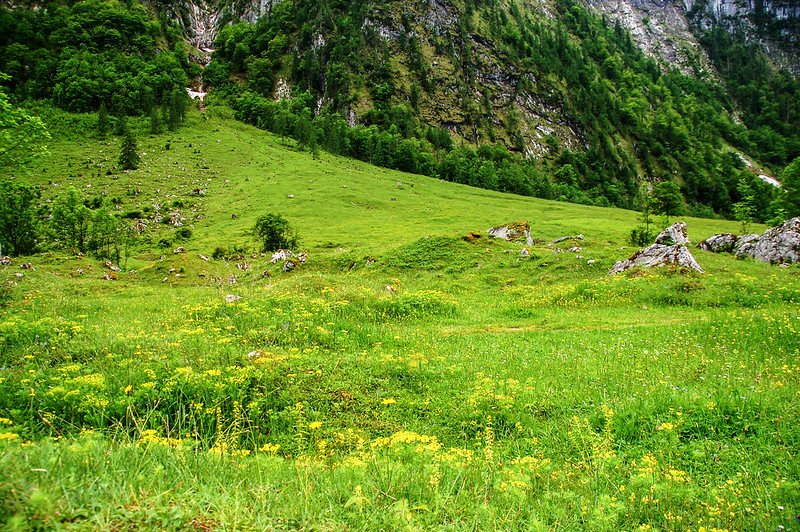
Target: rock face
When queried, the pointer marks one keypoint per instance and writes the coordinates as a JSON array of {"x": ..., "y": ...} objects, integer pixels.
[
  {"x": 518, "y": 231},
  {"x": 658, "y": 255},
  {"x": 669, "y": 248},
  {"x": 663, "y": 28},
  {"x": 778, "y": 245},
  {"x": 674, "y": 234},
  {"x": 723, "y": 243},
  {"x": 744, "y": 245}
]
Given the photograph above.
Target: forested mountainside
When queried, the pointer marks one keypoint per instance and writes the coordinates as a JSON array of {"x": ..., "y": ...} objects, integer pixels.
[{"x": 593, "y": 104}]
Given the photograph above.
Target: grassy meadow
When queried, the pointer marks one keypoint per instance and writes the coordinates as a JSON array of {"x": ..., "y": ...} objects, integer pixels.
[{"x": 403, "y": 378}]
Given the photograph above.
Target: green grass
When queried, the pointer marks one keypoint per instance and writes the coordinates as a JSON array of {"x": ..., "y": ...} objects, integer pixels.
[{"x": 402, "y": 378}]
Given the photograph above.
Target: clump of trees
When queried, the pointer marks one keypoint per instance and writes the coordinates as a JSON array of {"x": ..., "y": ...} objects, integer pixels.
[{"x": 71, "y": 224}]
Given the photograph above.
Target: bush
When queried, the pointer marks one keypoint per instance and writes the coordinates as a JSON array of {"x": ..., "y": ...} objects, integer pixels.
[
  {"x": 641, "y": 236},
  {"x": 274, "y": 232}
]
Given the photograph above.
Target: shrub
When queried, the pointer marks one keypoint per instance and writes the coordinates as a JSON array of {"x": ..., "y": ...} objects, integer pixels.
[
  {"x": 274, "y": 232},
  {"x": 641, "y": 236}
]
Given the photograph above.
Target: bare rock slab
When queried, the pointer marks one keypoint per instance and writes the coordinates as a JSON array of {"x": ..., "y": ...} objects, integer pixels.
[
  {"x": 674, "y": 234},
  {"x": 722, "y": 243},
  {"x": 658, "y": 255},
  {"x": 517, "y": 231}
]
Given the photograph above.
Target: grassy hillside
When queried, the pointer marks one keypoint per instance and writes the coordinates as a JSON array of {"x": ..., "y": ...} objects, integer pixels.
[{"x": 402, "y": 378}]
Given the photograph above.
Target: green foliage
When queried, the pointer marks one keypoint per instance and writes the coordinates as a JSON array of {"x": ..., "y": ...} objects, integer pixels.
[
  {"x": 70, "y": 221},
  {"x": 790, "y": 183},
  {"x": 129, "y": 151},
  {"x": 273, "y": 232},
  {"x": 106, "y": 234},
  {"x": 92, "y": 52},
  {"x": 19, "y": 224},
  {"x": 667, "y": 198},
  {"x": 22, "y": 135},
  {"x": 102, "y": 121},
  {"x": 744, "y": 209}
]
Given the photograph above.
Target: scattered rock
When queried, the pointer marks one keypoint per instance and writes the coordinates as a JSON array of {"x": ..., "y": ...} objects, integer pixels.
[
  {"x": 244, "y": 266},
  {"x": 672, "y": 235},
  {"x": 234, "y": 216},
  {"x": 111, "y": 266},
  {"x": 590, "y": 261},
  {"x": 563, "y": 238},
  {"x": 525, "y": 252},
  {"x": 110, "y": 277},
  {"x": 576, "y": 249},
  {"x": 281, "y": 254},
  {"x": 669, "y": 248},
  {"x": 289, "y": 265},
  {"x": 778, "y": 245},
  {"x": 172, "y": 270},
  {"x": 165, "y": 279},
  {"x": 230, "y": 298},
  {"x": 723, "y": 243},
  {"x": 290, "y": 196},
  {"x": 79, "y": 271},
  {"x": 232, "y": 279},
  {"x": 658, "y": 255},
  {"x": 303, "y": 257},
  {"x": 26, "y": 266},
  {"x": 199, "y": 192},
  {"x": 253, "y": 354},
  {"x": 179, "y": 249},
  {"x": 204, "y": 258},
  {"x": 518, "y": 231},
  {"x": 19, "y": 275},
  {"x": 390, "y": 289},
  {"x": 5, "y": 261}
]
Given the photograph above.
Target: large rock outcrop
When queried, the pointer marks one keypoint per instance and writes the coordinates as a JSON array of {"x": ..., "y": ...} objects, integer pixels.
[
  {"x": 672, "y": 235},
  {"x": 671, "y": 250},
  {"x": 778, "y": 245},
  {"x": 722, "y": 243},
  {"x": 517, "y": 231}
]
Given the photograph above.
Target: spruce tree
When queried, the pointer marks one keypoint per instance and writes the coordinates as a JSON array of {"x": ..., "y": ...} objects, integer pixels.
[
  {"x": 102, "y": 121},
  {"x": 155, "y": 121},
  {"x": 129, "y": 151}
]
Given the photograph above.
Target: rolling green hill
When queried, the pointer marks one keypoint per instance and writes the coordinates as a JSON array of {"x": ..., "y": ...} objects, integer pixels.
[{"x": 403, "y": 377}]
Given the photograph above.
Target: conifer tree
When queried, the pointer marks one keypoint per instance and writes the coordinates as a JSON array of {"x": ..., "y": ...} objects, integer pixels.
[
  {"x": 155, "y": 121},
  {"x": 102, "y": 121},
  {"x": 129, "y": 151}
]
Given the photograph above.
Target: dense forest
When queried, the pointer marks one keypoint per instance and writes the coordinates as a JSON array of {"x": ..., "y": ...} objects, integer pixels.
[{"x": 356, "y": 92}]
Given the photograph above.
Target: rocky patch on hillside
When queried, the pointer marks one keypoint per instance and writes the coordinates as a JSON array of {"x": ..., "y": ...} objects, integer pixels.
[
  {"x": 778, "y": 245},
  {"x": 669, "y": 248}
]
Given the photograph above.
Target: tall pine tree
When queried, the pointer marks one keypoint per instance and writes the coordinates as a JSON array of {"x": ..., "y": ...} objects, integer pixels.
[{"x": 129, "y": 151}]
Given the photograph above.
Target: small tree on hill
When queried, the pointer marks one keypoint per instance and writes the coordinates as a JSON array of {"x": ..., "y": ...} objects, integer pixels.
[
  {"x": 129, "y": 152},
  {"x": 274, "y": 232},
  {"x": 155, "y": 121},
  {"x": 667, "y": 199},
  {"x": 71, "y": 220},
  {"x": 643, "y": 235},
  {"x": 744, "y": 209},
  {"x": 790, "y": 183},
  {"x": 18, "y": 220},
  {"x": 103, "y": 124}
]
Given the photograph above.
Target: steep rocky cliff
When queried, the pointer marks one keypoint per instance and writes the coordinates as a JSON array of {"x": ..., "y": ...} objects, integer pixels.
[{"x": 668, "y": 28}]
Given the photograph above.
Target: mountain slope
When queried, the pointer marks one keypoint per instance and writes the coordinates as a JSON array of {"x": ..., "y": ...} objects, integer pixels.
[
  {"x": 403, "y": 377},
  {"x": 587, "y": 116}
]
